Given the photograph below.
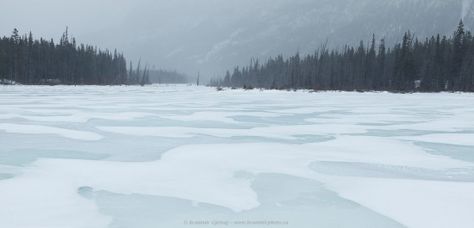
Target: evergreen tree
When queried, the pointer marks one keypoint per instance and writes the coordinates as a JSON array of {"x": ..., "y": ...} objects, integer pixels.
[
  {"x": 458, "y": 56},
  {"x": 435, "y": 64},
  {"x": 26, "y": 60}
]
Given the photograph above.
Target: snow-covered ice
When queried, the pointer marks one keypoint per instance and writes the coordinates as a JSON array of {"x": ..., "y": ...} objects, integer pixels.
[
  {"x": 42, "y": 130},
  {"x": 165, "y": 156}
]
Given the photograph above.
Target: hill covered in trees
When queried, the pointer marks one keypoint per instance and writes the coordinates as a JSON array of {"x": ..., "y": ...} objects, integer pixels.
[
  {"x": 439, "y": 63},
  {"x": 26, "y": 60}
]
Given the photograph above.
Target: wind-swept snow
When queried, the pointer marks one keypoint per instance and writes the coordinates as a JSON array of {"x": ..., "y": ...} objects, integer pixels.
[
  {"x": 453, "y": 138},
  {"x": 42, "y": 130},
  {"x": 161, "y": 155},
  {"x": 414, "y": 203},
  {"x": 277, "y": 132}
]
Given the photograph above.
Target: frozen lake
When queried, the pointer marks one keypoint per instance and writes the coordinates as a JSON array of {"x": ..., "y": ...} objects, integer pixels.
[{"x": 183, "y": 156}]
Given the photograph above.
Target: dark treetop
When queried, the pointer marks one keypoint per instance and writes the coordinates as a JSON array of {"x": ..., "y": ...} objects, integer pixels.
[{"x": 26, "y": 60}]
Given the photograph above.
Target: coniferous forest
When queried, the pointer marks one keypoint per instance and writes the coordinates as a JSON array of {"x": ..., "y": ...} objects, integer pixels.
[
  {"x": 26, "y": 60},
  {"x": 439, "y": 63}
]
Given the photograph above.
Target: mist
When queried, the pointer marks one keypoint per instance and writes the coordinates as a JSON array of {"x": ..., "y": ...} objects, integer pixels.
[{"x": 211, "y": 36}]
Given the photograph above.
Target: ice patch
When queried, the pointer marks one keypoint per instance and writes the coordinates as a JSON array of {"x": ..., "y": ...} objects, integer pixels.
[
  {"x": 225, "y": 117},
  {"x": 42, "y": 130},
  {"x": 277, "y": 132},
  {"x": 452, "y": 138},
  {"x": 211, "y": 171},
  {"x": 77, "y": 117}
]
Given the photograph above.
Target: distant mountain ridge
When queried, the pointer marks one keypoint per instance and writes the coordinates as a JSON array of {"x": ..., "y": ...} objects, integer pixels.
[{"x": 210, "y": 36}]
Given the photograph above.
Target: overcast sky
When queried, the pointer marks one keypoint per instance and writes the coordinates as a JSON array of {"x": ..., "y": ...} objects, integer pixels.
[{"x": 50, "y": 17}]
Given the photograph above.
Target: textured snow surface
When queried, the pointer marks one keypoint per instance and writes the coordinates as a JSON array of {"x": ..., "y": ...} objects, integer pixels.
[{"x": 165, "y": 156}]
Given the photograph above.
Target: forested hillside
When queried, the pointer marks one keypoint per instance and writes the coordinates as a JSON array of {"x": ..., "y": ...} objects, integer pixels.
[
  {"x": 26, "y": 60},
  {"x": 439, "y": 63}
]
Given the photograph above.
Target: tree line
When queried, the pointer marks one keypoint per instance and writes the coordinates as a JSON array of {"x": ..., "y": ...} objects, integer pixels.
[
  {"x": 26, "y": 60},
  {"x": 438, "y": 63}
]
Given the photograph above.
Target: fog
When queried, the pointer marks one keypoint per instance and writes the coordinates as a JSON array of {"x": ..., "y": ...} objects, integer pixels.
[{"x": 211, "y": 36}]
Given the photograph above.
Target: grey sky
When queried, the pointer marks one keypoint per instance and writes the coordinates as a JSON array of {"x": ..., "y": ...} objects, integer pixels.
[{"x": 49, "y": 17}]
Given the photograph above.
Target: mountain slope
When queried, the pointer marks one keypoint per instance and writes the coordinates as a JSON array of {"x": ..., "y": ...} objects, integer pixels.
[{"x": 211, "y": 36}]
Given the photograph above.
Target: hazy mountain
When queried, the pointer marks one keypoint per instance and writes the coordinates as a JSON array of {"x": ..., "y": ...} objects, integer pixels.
[{"x": 213, "y": 35}]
